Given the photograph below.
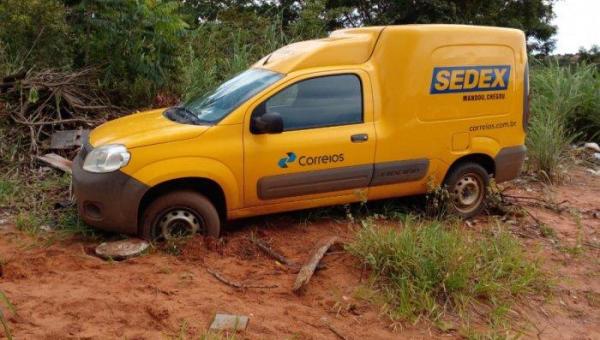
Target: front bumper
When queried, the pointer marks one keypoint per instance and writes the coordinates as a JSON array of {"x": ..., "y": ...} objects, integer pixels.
[{"x": 107, "y": 201}]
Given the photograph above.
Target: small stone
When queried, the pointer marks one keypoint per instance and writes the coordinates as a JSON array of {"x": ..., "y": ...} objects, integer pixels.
[
  {"x": 592, "y": 146},
  {"x": 597, "y": 155},
  {"x": 228, "y": 322},
  {"x": 121, "y": 250}
]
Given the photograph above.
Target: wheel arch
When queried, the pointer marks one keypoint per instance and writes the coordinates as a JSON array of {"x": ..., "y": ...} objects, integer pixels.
[
  {"x": 486, "y": 161},
  {"x": 205, "y": 186}
]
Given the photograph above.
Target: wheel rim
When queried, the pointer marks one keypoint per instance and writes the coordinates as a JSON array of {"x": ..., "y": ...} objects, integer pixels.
[
  {"x": 178, "y": 223},
  {"x": 468, "y": 192}
]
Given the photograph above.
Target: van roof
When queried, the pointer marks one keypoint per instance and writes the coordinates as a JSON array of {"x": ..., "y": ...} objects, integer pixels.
[{"x": 355, "y": 46}]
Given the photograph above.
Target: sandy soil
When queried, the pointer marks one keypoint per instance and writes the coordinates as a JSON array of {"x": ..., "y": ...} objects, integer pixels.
[{"x": 61, "y": 291}]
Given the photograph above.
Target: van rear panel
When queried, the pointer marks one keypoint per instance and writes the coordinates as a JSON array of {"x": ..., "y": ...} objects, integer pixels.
[{"x": 445, "y": 92}]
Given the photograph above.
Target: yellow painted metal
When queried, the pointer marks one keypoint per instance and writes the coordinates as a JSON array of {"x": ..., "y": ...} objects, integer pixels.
[{"x": 403, "y": 119}]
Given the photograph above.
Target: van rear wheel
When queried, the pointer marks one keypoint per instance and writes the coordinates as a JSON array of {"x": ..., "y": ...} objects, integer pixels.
[
  {"x": 467, "y": 185},
  {"x": 180, "y": 214}
]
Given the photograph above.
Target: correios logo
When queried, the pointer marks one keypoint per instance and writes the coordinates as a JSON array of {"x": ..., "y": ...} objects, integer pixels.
[
  {"x": 310, "y": 160},
  {"x": 291, "y": 157}
]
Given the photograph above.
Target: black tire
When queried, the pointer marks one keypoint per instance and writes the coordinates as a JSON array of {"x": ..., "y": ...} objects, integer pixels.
[
  {"x": 467, "y": 184},
  {"x": 180, "y": 210}
]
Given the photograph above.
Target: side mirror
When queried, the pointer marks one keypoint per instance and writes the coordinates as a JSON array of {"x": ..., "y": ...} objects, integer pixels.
[{"x": 270, "y": 122}]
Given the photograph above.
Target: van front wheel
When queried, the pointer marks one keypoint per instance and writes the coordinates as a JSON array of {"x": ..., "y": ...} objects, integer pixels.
[
  {"x": 467, "y": 185},
  {"x": 180, "y": 214}
]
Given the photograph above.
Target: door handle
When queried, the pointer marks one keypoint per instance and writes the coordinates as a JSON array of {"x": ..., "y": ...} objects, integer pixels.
[{"x": 359, "y": 138}]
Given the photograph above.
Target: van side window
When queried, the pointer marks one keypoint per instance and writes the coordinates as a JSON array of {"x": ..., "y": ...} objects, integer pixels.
[{"x": 318, "y": 102}]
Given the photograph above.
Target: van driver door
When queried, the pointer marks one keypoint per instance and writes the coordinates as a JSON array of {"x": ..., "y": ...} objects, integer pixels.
[{"x": 327, "y": 146}]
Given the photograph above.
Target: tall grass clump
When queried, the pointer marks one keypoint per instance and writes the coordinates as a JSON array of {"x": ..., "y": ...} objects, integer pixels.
[
  {"x": 4, "y": 301},
  {"x": 565, "y": 105},
  {"x": 426, "y": 269}
]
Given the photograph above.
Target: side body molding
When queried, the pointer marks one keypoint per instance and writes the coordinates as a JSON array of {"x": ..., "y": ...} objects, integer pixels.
[
  {"x": 314, "y": 182},
  {"x": 344, "y": 178},
  {"x": 399, "y": 171}
]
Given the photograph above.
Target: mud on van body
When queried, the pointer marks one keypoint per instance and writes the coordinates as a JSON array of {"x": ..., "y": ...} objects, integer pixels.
[{"x": 372, "y": 112}]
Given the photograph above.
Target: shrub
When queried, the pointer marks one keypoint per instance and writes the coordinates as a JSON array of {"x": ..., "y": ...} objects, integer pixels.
[
  {"x": 138, "y": 44},
  {"x": 565, "y": 105},
  {"x": 426, "y": 269},
  {"x": 34, "y": 32},
  {"x": 230, "y": 42}
]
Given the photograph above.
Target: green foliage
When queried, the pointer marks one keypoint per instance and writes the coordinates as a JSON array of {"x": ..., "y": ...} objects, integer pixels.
[
  {"x": 591, "y": 56},
  {"x": 426, "y": 269},
  {"x": 532, "y": 16},
  {"x": 138, "y": 43},
  {"x": 152, "y": 49},
  {"x": 7, "y": 191},
  {"x": 565, "y": 104},
  {"x": 34, "y": 32},
  {"x": 220, "y": 49},
  {"x": 218, "y": 52}
]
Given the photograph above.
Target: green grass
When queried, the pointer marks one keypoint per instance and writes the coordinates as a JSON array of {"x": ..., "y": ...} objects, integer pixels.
[
  {"x": 6, "y": 303},
  {"x": 426, "y": 269},
  {"x": 34, "y": 196},
  {"x": 565, "y": 106},
  {"x": 7, "y": 191}
]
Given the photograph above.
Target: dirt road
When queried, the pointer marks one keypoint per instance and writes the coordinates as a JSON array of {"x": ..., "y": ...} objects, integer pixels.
[{"x": 61, "y": 291}]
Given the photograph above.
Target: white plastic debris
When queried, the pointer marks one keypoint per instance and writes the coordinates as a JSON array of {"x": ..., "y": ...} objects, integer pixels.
[
  {"x": 592, "y": 146},
  {"x": 46, "y": 228},
  {"x": 228, "y": 322},
  {"x": 593, "y": 172}
]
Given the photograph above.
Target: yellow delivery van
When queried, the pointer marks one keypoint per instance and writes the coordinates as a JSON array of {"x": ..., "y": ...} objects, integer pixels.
[{"x": 367, "y": 113}]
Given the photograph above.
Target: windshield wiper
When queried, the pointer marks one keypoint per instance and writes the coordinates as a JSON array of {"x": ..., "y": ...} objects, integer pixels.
[{"x": 189, "y": 115}]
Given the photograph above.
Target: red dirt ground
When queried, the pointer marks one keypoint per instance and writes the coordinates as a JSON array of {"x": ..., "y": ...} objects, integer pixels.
[{"x": 62, "y": 292}]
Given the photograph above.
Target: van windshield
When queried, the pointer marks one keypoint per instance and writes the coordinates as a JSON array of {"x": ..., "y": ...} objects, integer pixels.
[{"x": 217, "y": 103}]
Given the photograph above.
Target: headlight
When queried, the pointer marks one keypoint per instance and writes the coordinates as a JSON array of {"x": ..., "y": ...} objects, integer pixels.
[{"x": 106, "y": 158}]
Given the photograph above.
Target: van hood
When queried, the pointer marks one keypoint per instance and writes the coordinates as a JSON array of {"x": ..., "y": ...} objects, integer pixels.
[{"x": 144, "y": 128}]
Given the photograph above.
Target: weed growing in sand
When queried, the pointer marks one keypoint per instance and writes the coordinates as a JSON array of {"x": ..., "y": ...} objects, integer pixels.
[
  {"x": 5, "y": 302},
  {"x": 547, "y": 231},
  {"x": 438, "y": 204},
  {"x": 428, "y": 269},
  {"x": 41, "y": 200},
  {"x": 577, "y": 248},
  {"x": 8, "y": 190}
]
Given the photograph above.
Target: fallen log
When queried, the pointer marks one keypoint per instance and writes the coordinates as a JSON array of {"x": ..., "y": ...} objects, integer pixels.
[{"x": 307, "y": 271}]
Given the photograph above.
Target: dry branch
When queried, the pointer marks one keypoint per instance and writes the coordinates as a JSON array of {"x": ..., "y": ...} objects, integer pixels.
[
  {"x": 234, "y": 284},
  {"x": 308, "y": 269},
  {"x": 262, "y": 245},
  {"x": 41, "y": 102}
]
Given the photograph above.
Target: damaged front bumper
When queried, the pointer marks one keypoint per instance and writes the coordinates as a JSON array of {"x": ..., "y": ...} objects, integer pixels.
[{"x": 108, "y": 201}]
